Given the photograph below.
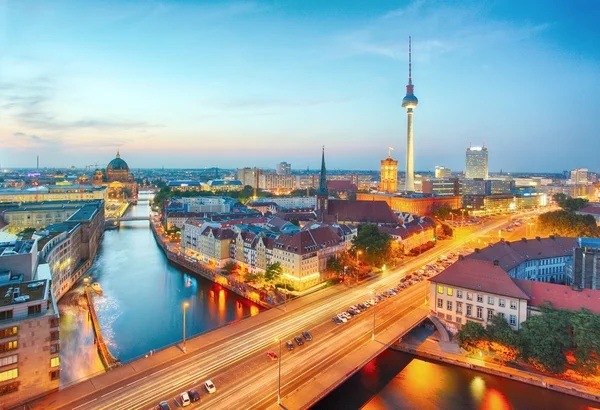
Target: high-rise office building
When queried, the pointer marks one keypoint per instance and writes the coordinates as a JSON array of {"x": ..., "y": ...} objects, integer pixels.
[
  {"x": 579, "y": 176},
  {"x": 477, "y": 163},
  {"x": 283, "y": 168},
  {"x": 389, "y": 174},
  {"x": 410, "y": 102},
  {"x": 442, "y": 172}
]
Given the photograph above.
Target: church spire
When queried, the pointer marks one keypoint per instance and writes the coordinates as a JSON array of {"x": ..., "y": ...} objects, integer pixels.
[
  {"x": 118, "y": 154},
  {"x": 323, "y": 179}
]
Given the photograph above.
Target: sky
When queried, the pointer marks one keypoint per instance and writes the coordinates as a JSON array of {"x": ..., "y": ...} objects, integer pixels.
[{"x": 196, "y": 84}]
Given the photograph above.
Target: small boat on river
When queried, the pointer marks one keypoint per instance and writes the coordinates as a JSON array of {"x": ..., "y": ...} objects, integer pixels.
[{"x": 97, "y": 288}]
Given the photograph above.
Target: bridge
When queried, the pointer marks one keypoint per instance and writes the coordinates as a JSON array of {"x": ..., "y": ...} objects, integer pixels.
[{"x": 234, "y": 356}]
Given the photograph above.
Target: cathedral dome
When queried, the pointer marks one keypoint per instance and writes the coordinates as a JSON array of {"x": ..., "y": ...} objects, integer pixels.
[{"x": 117, "y": 164}]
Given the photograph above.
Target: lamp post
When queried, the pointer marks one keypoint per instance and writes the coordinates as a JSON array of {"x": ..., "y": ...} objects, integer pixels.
[
  {"x": 185, "y": 305},
  {"x": 279, "y": 373},
  {"x": 374, "y": 307},
  {"x": 358, "y": 253}
]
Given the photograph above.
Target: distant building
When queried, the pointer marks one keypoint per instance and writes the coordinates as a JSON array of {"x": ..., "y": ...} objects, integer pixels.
[
  {"x": 283, "y": 168},
  {"x": 224, "y": 185},
  {"x": 579, "y": 176},
  {"x": 293, "y": 202},
  {"x": 389, "y": 175},
  {"x": 593, "y": 210},
  {"x": 477, "y": 163},
  {"x": 441, "y": 187},
  {"x": 19, "y": 257},
  {"x": 412, "y": 235},
  {"x": 185, "y": 185},
  {"x": 417, "y": 204},
  {"x": 585, "y": 268},
  {"x": 29, "y": 339},
  {"x": 271, "y": 181},
  {"x": 249, "y": 176},
  {"x": 442, "y": 172},
  {"x": 117, "y": 178},
  {"x": 54, "y": 193}
]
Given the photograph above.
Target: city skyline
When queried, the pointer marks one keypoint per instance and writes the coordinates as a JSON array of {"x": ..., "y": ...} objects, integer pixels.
[{"x": 154, "y": 83}]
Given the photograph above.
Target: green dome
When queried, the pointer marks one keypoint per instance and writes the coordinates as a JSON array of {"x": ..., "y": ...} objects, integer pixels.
[{"x": 117, "y": 164}]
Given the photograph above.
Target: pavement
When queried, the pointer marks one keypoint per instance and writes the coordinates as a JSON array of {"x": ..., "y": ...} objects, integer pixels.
[{"x": 234, "y": 356}]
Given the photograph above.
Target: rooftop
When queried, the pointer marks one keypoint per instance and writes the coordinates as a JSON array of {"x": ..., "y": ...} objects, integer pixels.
[
  {"x": 361, "y": 211},
  {"x": 86, "y": 213},
  {"x": 479, "y": 275},
  {"x": 11, "y": 294},
  {"x": 561, "y": 296},
  {"x": 594, "y": 210},
  {"x": 16, "y": 247}
]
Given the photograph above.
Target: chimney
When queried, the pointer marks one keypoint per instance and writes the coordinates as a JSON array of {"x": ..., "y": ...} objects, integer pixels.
[
  {"x": 461, "y": 258},
  {"x": 496, "y": 262},
  {"x": 524, "y": 240},
  {"x": 552, "y": 237},
  {"x": 477, "y": 250},
  {"x": 538, "y": 238}
]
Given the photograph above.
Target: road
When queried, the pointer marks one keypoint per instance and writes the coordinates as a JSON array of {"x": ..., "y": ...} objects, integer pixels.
[{"x": 238, "y": 366}]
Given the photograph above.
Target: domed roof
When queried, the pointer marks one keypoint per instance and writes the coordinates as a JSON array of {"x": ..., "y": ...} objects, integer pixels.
[{"x": 117, "y": 164}]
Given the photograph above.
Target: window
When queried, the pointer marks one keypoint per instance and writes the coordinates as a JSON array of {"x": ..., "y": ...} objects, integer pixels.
[
  {"x": 479, "y": 298},
  {"x": 54, "y": 322},
  {"x": 490, "y": 300},
  {"x": 440, "y": 303},
  {"x": 8, "y": 332},
  {"x": 501, "y": 302},
  {"x": 54, "y": 348},
  {"x": 513, "y": 304},
  {"x": 34, "y": 310},
  {"x": 449, "y": 291},
  {"x": 501, "y": 315},
  {"x": 458, "y": 319},
  {"x": 490, "y": 314},
  {"x": 513, "y": 320},
  {"x": 479, "y": 312},
  {"x": 4, "y": 347},
  {"x": 449, "y": 317},
  {"x": 449, "y": 305},
  {"x": 55, "y": 374},
  {"x": 6, "y": 315},
  {"x": 458, "y": 307},
  {"x": 5, "y": 361},
  {"x": 469, "y": 310},
  {"x": 55, "y": 362},
  {"x": 469, "y": 296},
  {"x": 459, "y": 294},
  {"x": 54, "y": 335},
  {"x": 9, "y": 375},
  {"x": 9, "y": 388},
  {"x": 440, "y": 289}
]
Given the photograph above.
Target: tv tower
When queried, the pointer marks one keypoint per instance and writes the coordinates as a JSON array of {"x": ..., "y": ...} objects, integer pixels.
[{"x": 409, "y": 102}]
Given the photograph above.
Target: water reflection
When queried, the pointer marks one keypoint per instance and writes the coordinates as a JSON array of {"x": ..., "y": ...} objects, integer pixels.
[
  {"x": 398, "y": 381},
  {"x": 141, "y": 305}
]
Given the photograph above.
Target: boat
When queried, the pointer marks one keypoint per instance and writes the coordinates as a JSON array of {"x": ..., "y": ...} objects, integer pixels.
[{"x": 97, "y": 288}]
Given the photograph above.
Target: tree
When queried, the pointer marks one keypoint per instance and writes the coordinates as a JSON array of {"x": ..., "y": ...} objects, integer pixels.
[
  {"x": 470, "y": 336},
  {"x": 294, "y": 221},
  {"x": 443, "y": 212},
  {"x": 273, "y": 272},
  {"x": 27, "y": 231},
  {"x": 568, "y": 223},
  {"x": 373, "y": 244},
  {"x": 230, "y": 267},
  {"x": 253, "y": 277},
  {"x": 586, "y": 340},
  {"x": 504, "y": 341},
  {"x": 395, "y": 252},
  {"x": 568, "y": 203}
]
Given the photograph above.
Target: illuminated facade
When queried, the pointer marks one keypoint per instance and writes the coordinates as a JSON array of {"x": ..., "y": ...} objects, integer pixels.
[
  {"x": 477, "y": 163},
  {"x": 410, "y": 102},
  {"x": 389, "y": 175},
  {"x": 442, "y": 172}
]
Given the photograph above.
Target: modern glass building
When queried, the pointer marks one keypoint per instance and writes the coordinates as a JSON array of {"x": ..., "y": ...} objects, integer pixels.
[{"x": 477, "y": 163}]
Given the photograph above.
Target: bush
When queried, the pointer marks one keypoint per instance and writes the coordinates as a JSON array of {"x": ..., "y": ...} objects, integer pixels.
[{"x": 286, "y": 286}]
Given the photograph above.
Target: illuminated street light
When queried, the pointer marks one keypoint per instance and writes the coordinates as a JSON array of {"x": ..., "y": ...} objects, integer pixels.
[{"x": 185, "y": 305}]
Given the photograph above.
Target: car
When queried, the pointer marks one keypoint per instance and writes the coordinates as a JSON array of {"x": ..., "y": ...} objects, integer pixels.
[
  {"x": 363, "y": 306},
  {"x": 210, "y": 387},
  {"x": 298, "y": 340},
  {"x": 163, "y": 405},
  {"x": 184, "y": 398},
  {"x": 342, "y": 318},
  {"x": 289, "y": 345},
  {"x": 307, "y": 335},
  {"x": 355, "y": 308},
  {"x": 272, "y": 355},
  {"x": 337, "y": 320},
  {"x": 194, "y": 395},
  {"x": 352, "y": 312}
]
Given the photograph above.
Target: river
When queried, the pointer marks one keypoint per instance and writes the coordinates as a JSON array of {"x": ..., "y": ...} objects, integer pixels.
[
  {"x": 399, "y": 381},
  {"x": 141, "y": 308}
]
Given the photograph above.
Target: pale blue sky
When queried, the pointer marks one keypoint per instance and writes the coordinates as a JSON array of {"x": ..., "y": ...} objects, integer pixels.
[{"x": 233, "y": 84}]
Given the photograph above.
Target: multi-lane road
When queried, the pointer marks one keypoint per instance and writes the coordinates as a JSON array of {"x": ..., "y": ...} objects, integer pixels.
[{"x": 243, "y": 375}]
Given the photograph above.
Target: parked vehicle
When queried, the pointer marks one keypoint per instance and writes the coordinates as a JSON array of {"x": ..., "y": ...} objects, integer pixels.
[
  {"x": 298, "y": 340},
  {"x": 210, "y": 387},
  {"x": 307, "y": 335},
  {"x": 194, "y": 395},
  {"x": 272, "y": 355},
  {"x": 163, "y": 405},
  {"x": 290, "y": 345},
  {"x": 184, "y": 398}
]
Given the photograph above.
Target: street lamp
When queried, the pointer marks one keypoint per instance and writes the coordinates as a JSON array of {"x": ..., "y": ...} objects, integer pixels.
[
  {"x": 358, "y": 253},
  {"x": 279, "y": 373},
  {"x": 185, "y": 305},
  {"x": 374, "y": 307}
]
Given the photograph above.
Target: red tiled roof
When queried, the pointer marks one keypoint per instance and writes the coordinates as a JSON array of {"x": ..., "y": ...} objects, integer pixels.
[
  {"x": 511, "y": 254},
  {"x": 219, "y": 233},
  {"x": 480, "y": 275},
  {"x": 595, "y": 210},
  {"x": 308, "y": 241},
  {"x": 360, "y": 211},
  {"x": 561, "y": 296},
  {"x": 407, "y": 230}
]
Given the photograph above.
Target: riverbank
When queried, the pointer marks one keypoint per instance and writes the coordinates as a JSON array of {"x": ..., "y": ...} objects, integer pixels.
[
  {"x": 450, "y": 353},
  {"x": 108, "y": 360},
  {"x": 179, "y": 260}
]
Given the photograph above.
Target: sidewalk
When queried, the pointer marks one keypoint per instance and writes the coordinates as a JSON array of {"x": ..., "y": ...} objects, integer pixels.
[{"x": 451, "y": 353}]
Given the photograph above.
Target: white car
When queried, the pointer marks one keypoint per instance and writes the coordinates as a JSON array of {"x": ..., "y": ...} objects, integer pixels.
[
  {"x": 342, "y": 318},
  {"x": 355, "y": 308},
  {"x": 185, "y": 399},
  {"x": 210, "y": 387}
]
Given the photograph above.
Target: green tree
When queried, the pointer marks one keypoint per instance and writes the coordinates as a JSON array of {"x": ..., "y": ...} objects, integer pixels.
[
  {"x": 568, "y": 203},
  {"x": 273, "y": 272},
  {"x": 373, "y": 244},
  {"x": 586, "y": 340},
  {"x": 229, "y": 267},
  {"x": 567, "y": 223},
  {"x": 443, "y": 212},
  {"x": 294, "y": 221},
  {"x": 253, "y": 277},
  {"x": 27, "y": 231},
  {"x": 470, "y": 336}
]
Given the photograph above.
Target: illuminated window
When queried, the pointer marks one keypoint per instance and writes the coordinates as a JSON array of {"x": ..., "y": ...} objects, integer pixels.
[
  {"x": 9, "y": 388},
  {"x": 5, "y": 361},
  {"x": 10, "y": 331},
  {"x": 450, "y": 291},
  {"x": 469, "y": 296},
  {"x": 8, "y": 346},
  {"x": 440, "y": 289},
  {"x": 55, "y": 362},
  {"x": 9, "y": 375}
]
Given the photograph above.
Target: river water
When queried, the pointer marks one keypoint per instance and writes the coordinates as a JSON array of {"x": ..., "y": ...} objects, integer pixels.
[
  {"x": 399, "y": 381},
  {"x": 141, "y": 308}
]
